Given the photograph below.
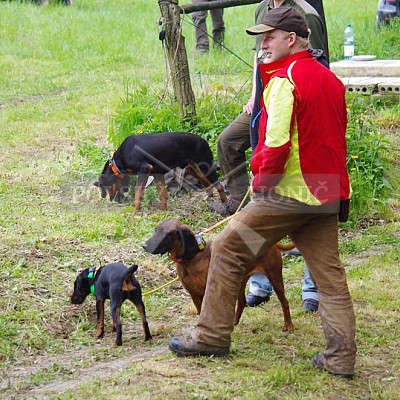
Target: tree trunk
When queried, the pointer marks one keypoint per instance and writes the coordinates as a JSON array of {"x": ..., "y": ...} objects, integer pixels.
[{"x": 177, "y": 58}]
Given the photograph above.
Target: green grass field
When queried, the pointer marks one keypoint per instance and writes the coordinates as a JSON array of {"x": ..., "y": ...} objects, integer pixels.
[{"x": 63, "y": 73}]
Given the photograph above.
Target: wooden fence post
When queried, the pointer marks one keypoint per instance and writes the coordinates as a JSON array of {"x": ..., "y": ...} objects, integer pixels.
[{"x": 177, "y": 57}]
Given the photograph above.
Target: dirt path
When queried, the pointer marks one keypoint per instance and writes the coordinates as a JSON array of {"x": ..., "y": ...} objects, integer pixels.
[{"x": 18, "y": 384}]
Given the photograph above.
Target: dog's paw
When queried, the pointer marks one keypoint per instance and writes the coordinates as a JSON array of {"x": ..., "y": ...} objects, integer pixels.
[
  {"x": 100, "y": 334},
  {"x": 288, "y": 327}
]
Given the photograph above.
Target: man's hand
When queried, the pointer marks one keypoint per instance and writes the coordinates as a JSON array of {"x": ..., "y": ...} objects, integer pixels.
[{"x": 248, "y": 108}]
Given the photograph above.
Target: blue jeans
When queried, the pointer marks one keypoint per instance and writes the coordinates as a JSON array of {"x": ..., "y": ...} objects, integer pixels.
[{"x": 260, "y": 286}]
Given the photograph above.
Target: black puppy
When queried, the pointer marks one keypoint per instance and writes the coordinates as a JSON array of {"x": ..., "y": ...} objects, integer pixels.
[
  {"x": 156, "y": 154},
  {"x": 106, "y": 283}
]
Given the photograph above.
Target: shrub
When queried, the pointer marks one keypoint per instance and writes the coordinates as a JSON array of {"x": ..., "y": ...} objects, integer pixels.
[
  {"x": 367, "y": 162},
  {"x": 140, "y": 112}
]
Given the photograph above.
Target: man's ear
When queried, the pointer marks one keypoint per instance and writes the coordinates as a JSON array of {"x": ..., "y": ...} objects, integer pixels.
[{"x": 292, "y": 38}]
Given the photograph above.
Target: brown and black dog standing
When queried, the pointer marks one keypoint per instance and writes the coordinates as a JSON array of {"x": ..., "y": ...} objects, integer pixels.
[
  {"x": 156, "y": 154},
  {"x": 192, "y": 257},
  {"x": 108, "y": 282}
]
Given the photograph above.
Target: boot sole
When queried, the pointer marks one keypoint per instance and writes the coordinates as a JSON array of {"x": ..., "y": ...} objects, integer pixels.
[{"x": 208, "y": 353}]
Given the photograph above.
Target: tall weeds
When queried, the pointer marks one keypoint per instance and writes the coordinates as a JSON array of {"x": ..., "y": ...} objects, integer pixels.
[{"x": 367, "y": 159}]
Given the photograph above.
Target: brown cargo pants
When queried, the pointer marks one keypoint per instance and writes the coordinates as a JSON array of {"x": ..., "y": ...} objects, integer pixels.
[
  {"x": 232, "y": 144},
  {"x": 262, "y": 223}
]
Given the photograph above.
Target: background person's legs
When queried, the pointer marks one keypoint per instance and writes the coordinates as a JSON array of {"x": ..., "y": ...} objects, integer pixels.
[
  {"x": 309, "y": 293},
  {"x": 218, "y": 26},
  {"x": 200, "y": 28},
  {"x": 232, "y": 144},
  {"x": 260, "y": 290}
]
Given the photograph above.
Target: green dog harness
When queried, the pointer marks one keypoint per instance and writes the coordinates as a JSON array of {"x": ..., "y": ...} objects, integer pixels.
[{"x": 91, "y": 275}]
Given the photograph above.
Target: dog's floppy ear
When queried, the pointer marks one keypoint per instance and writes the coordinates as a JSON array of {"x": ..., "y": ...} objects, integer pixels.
[
  {"x": 100, "y": 185},
  {"x": 189, "y": 242},
  {"x": 133, "y": 268},
  {"x": 185, "y": 233},
  {"x": 127, "y": 285}
]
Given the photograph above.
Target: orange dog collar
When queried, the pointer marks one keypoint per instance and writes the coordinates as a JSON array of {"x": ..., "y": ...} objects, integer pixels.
[{"x": 116, "y": 171}]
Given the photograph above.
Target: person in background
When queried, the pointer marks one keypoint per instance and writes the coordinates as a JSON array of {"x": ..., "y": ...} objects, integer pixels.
[
  {"x": 300, "y": 183},
  {"x": 235, "y": 140},
  {"x": 200, "y": 27}
]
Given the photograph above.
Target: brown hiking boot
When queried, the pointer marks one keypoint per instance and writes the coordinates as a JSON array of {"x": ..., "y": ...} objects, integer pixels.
[
  {"x": 318, "y": 361},
  {"x": 186, "y": 347}
]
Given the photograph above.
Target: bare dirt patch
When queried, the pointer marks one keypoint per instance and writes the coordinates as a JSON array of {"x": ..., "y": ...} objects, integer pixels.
[
  {"x": 73, "y": 371},
  {"x": 40, "y": 377}
]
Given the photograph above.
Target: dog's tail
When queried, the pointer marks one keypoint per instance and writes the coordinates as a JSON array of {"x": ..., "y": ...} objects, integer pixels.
[
  {"x": 127, "y": 285},
  {"x": 286, "y": 246}
]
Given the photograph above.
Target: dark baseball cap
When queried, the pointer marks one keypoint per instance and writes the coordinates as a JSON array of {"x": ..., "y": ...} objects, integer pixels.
[{"x": 283, "y": 18}]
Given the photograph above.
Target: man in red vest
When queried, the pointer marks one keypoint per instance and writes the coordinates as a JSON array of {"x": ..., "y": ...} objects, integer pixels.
[{"x": 300, "y": 182}]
